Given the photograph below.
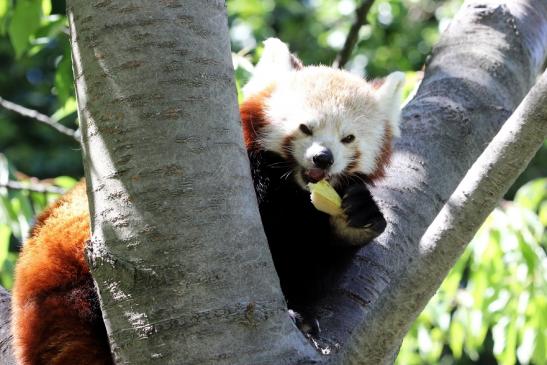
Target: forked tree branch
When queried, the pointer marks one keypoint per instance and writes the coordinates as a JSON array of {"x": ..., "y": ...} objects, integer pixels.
[
  {"x": 479, "y": 72},
  {"x": 39, "y": 117},
  {"x": 351, "y": 40}
]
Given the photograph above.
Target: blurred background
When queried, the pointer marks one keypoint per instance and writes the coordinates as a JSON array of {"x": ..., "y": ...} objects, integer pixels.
[{"x": 491, "y": 309}]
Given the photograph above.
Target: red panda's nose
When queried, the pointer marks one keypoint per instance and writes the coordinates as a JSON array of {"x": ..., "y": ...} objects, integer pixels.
[{"x": 323, "y": 159}]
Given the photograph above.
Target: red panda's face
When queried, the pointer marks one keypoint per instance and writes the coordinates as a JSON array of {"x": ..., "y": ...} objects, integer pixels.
[{"x": 328, "y": 122}]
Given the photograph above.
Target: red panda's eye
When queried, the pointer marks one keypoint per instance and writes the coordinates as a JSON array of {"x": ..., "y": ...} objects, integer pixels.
[
  {"x": 348, "y": 139},
  {"x": 305, "y": 129}
]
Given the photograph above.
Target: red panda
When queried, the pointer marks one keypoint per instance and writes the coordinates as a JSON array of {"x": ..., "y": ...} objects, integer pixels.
[
  {"x": 300, "y": 125},
  {"x": 56, "y": 319}
]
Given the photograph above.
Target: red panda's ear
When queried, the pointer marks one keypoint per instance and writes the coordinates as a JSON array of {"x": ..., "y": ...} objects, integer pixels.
[
  {"x": 389, "y": 96},
  {"x": 276, "y": 60}
]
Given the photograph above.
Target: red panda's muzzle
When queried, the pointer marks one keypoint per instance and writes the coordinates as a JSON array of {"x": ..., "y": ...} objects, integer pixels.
[
  {"x": 322, "y": 161},
  {"x": 314, "y": 175}
]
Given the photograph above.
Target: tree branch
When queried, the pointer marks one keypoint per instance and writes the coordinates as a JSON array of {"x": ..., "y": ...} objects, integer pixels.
[
  {"x": 37, "y": 188},
  {"x": 490, "y": 176},
  {"x": 42, "y": 118},
  {"x": 479, "y": 72},
  {"x": 351, "y": 40}
]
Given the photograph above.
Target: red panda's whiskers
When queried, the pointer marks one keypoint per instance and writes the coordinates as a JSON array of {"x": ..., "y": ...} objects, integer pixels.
[
  {"x": 286, "y": 175},
  {"x": 279, "y": 165}
]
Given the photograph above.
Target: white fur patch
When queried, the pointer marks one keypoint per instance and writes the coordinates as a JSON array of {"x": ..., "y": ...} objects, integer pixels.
[
  {"x": 275, "y": 62},
  {"x": 332, "y": 104},
  {"x": 389, "y": 97}
]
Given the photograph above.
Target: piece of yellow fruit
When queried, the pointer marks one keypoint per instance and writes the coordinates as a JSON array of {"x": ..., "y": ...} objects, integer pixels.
[{"x": 324, "y": 198}]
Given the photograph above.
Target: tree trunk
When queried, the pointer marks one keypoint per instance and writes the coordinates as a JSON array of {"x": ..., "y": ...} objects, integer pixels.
[
  {"x": 6, "y": 353},
  {"x": 178, "y": 252}
]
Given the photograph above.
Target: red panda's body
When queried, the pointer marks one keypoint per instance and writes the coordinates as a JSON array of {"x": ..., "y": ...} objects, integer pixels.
[
  {"x": 56, "y": 314},
  {"x": 300, "y": 125}
]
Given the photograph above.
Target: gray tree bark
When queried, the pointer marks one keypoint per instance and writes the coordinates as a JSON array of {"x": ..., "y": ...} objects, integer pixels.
[
  {"x": 478, "y": 73},
  {"x": 6, "y": 353},
  {"x": 178, "y": 252}
]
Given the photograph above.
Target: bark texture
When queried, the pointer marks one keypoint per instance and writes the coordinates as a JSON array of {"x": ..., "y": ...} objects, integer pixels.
[
  {"x": 185, "y": 275},
  {"x": 6, "y": 354},
  {"x": 479, "y": 72},
  {"x": 178, "y": 252}
]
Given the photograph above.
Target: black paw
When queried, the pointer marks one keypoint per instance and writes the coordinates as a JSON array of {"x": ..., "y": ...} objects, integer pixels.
[
  {"x": 361, "y": 210},
  {"x": 306, "y": 324}
]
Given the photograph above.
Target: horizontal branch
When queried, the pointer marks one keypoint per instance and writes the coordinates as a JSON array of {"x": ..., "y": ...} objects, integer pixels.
[
  {"x": 42, "y": 118},
  {"x": 37, "y": 188}
]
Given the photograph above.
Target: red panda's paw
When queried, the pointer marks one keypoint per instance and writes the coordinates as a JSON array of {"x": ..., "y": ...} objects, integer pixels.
[{"x": 362, "y": 220}]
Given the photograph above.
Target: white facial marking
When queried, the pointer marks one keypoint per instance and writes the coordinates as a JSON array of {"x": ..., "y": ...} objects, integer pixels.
[
  {"x": 332, "y": 104},
  {"x": 311, "y": 151}
]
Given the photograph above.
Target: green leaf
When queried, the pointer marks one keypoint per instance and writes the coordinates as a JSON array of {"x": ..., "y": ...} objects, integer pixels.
[
  {"x": 64, "y": 82},
  {"x": 19, "y": 206},
  {"x": 540, "y": 350},
  {"x": 532, "y": 194},
  {"x": 46, "y": 7},
  {"x": 4, "y": 4},
  {"x": 6, "y": 273},
  {"x": 509, "y": 354},
  {"x": 5, "y": 233},
  {"x": 456, "y": 337},
  {"x": 10, "y": 215},
  {"x": 66, "y": 182},
  {"x": 24, "y": 22},
  {"x": 70, "y": 106},
  {"x": 543, "y": 213},
  {"x": 26, "y": 206},
  {"x": 504, "y": 334},
  {"x": 39, "y": 201},
  {"x": 239, "y": 92}
]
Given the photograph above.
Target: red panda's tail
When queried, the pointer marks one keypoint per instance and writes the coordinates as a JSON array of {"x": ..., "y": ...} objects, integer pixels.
[{"x": 56, "y": 313}]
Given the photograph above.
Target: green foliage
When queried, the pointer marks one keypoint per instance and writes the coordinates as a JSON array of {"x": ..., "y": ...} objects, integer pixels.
[
  {"x": 24, "y": 22},
  {"x": 17, "y": 211},
  {"x": 36, "y": 73},
  {"x": 495, "y": 298},
  {"x": 399, "y": 34},
  {"x": 4, "y": 6}
]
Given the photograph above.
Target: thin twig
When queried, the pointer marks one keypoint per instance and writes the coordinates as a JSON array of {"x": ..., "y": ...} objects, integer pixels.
[
  {"x": 42, "y": 118},
  {"x": 360, "y": 19},
  {"x": 37, "y": 188}
]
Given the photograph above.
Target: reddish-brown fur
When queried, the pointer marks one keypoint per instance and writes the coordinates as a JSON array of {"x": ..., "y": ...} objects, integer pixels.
[
  {"x": 56, "y": 317},
  {"x": 252, "y": 116},
  {"x": 383, "y": 158}
]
